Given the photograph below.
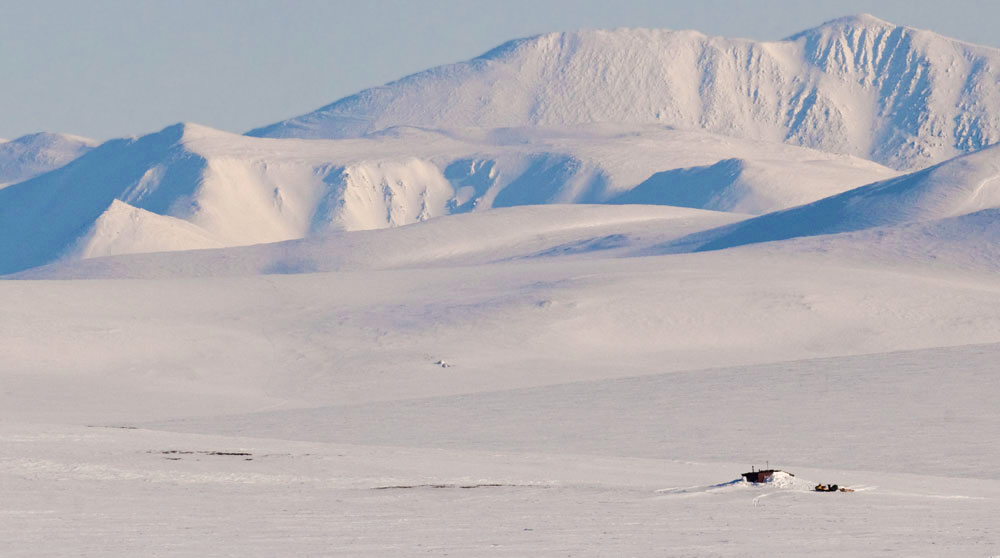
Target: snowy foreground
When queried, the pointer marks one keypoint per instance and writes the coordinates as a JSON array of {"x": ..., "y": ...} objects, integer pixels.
[{"x": 567, "y": 388}]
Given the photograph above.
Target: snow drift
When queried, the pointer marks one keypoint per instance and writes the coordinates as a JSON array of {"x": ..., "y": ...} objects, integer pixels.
[{"x": 900, "y": 96}]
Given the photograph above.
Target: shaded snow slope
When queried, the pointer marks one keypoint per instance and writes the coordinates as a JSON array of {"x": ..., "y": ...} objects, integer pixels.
[
  {"x": 35, "y": 154},
  {"x": 220, "y": 189},
  {"x": 901, "y": 96},
  {"x": 964, "y": 185},
  {"x": 743, "y": 186},
  {"x": 967, "y": 243}
]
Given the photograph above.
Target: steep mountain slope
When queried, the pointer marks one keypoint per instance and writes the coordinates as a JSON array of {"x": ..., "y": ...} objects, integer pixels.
[
  {"x": 202, "y": 188},
  {"x": 904, "y": 97},
  {"x": 969, "y": 184},
  {"x": 35, "y": 154}
]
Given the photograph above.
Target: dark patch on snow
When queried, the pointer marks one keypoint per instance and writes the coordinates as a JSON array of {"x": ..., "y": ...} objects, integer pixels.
[
  {"x": 460, "y": 486},
  {"x": 609, "y": 242},
  {"x": 219, "y": 453}
]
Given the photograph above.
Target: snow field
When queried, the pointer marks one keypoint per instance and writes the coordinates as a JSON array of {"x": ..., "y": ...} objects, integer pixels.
[{"x": 585, "y": 387}]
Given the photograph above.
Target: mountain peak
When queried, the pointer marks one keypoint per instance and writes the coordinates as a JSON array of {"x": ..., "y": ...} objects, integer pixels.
[
  {"x": 858, "y": 20},
  {"x": 28, "y": 156},
  {"x": 52, "y": 138},
  {"x": 187, "y": 131},
  {"x": 849, "y": 25}
]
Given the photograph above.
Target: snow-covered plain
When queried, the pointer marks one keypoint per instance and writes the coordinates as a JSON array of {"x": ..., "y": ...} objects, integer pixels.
[
  {"x": 543, "y": 395},
  {"x": 216, "y": 345}
]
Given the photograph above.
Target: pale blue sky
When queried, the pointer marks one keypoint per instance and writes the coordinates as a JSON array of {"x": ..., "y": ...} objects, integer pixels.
[{"x": 108, "y": 68}]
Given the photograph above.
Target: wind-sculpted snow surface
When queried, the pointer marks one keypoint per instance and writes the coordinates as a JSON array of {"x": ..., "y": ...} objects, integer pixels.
[
  {"x": 904, "y": 97},
  {"x": 969, "y": 184},
  {"x": 190, "y": 187},
  {"x": 35, "y": 154}
]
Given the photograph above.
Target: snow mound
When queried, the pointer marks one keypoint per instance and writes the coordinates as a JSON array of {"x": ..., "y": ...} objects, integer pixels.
[
  {"x": 901, "y": 96},
  {"x": 961, "y": 186},
  {"x": 35, "y": 154},
  {"x": 787, "y": 481},
  {"x": 780, "y": 480}
]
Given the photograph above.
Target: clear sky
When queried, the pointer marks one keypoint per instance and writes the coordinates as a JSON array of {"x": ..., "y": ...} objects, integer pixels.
[{"x": 108, "y": 68}]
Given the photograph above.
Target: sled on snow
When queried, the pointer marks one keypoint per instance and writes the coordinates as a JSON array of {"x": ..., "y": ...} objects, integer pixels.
[{"x": 831, "y": 488}]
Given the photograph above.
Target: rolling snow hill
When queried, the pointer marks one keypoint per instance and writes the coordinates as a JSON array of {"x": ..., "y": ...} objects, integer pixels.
[
  {"x": 35, "y": 154},
  {"x": 965, "y": 185},
  {"x": 527, "y": 233},
  {"x": 903, "y": 97},
  {"x": 191, "y": 187}
]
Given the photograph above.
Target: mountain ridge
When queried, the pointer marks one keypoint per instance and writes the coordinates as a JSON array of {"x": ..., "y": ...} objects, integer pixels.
[
  {"x": 904, "y": 97},
  {"x": 205, "y": 188}
]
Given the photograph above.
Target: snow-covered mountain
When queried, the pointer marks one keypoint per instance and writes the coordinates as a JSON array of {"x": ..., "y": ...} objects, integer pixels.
[
  {"x": 904, "y": 97},
  {"x": 192, "y": 187},
  {"x": 963, "y": 186},
  {"x": 277, "y": 347},
  {"x": 35, "y": 154}
]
